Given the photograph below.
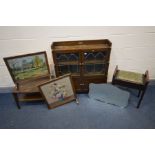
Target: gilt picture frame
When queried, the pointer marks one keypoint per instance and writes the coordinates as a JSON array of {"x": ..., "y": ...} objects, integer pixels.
[
  {"x": 28, "y": 66},
  {"x": 58, "y": 91}
]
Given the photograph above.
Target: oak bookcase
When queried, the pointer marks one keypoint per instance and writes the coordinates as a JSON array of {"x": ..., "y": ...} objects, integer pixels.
[{"x": 86, "y": 60}]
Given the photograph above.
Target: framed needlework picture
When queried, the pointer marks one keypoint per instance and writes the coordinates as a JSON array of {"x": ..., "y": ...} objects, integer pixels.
[
  {"x": 28, "y": 66},
  {"x": 58, "y": 91}
]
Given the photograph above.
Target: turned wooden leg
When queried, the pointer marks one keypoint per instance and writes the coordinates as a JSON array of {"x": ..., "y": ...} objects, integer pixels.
[
  {"x": 139, "y": 93},
  {"x": 140, "y": 100},
  {"x": 15, "y": 95}
]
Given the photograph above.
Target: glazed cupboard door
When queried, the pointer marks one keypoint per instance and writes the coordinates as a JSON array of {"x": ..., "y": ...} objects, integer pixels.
[
  {"x": 94, "y": 68},
  {"x": 68, "y": 63},
  {"x": 95, "y": 63}
]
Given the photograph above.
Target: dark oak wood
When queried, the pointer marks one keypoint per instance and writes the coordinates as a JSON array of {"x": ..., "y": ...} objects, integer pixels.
[
  {"x": 140, "y": 87},
  {"x": 82, "y": 79}
]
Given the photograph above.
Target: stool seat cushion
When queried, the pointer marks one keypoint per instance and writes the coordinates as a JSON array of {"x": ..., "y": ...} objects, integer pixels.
[{"x": 130, "y": 76}]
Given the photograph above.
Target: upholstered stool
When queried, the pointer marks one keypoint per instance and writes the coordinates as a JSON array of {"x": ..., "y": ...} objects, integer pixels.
[{"x": 132, "y": 80}]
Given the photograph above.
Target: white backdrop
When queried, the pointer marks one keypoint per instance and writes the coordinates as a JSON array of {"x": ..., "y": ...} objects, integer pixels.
[{"x": 133, "y": 48}]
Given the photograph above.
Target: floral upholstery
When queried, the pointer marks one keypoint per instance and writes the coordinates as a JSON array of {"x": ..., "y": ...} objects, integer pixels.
[{"x": 130, "y": 76}]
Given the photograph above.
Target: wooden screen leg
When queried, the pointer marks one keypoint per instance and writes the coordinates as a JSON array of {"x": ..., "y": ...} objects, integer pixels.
[
  {"x": 77, "y": 101},
  {"x": 15, "y": 95}
]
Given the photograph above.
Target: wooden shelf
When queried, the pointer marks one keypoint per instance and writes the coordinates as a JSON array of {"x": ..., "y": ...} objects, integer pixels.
[
  {"x": 30, "y": 97},
  {"x": 85, "y": 62},
  {"x": 79, "y": 47},
  {"x": 73, "y": 74},
  {"x": 95, "y": 62},
  {"x": 69, "y": 63},
  {"x": 31, "y": 86},
  {"x": 29, "y": 91},
  {"x": 94, "y": 74}
]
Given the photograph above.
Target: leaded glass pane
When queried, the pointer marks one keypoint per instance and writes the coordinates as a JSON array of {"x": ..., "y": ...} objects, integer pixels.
[
  {"x": 100, "y": 55},
  {"x": 62, "y": 57},
  {"x": 89, "y": 68},
  {"x": 90, "y": 56},
  {"x": 66, "y": 57},
  {"x": 64, "y": 69},
  {"x": 74, "y": 68},
  {"x": 94, "y": 68},
  {"x": 99, "y": 68},
  {"x": 73, "y": 57}
]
